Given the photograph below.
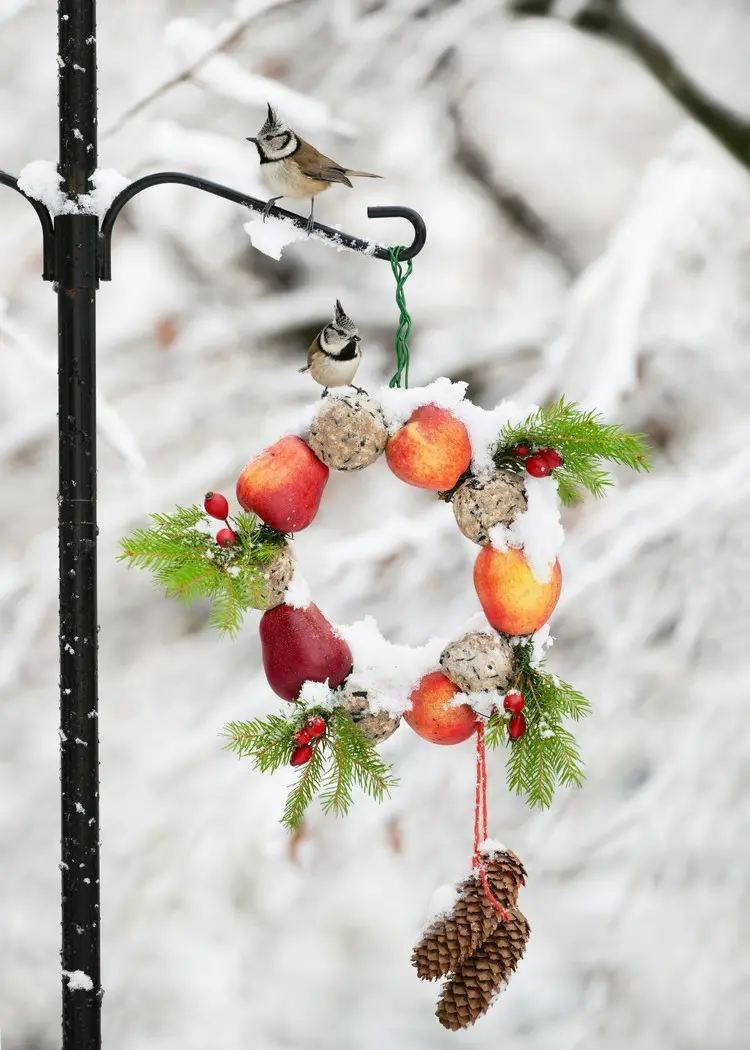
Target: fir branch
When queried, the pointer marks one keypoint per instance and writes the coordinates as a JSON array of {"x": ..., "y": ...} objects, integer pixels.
[
  {"x": 306, "y": 787},
  {"x": 547, "y": 753},
  {"x": 336, "y": 792},
  {"x": 184, "y": 559},
  {"x": 583, "y": 440},
  {"x": 343, "y": 758},
  {"x": 495, "y": 730},
  {"x": 269, "y": 742},
  {"x": 356, "y": 761}
]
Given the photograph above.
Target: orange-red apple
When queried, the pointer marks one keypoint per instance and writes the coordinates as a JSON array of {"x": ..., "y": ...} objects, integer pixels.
[
  {"x": 283, "y": 485},
  {"x": 435, "y": 715},
  {"x": 514, "y": 601},
  {"x": 432, "y": 450}
]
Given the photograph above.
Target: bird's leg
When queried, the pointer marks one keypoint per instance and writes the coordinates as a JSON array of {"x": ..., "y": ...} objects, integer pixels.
[
  {"x": 310, "y": 222},
  {"x": 357, "y": 388},
  {"x": 269, "y": 205},
  {"x": 324, "y": 394}
]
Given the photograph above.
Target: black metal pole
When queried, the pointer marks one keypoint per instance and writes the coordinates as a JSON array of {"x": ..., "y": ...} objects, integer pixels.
[
  {"x": 76, "y": 255},
  {"x": 76, "y": 273}
]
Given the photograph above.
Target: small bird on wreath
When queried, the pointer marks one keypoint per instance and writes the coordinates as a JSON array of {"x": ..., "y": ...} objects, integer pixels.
[
  {"x": 291, "y": 167},
  {"x": 335, "y": 352}
]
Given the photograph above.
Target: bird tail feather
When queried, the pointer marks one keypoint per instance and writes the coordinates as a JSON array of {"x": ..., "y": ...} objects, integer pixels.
[
  {"x": 305, "y": 369},
  {"x": 363, "y": 174}
]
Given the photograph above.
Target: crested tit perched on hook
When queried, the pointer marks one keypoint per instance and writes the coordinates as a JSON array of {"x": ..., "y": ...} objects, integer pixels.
[
  {"x": 291, "y": 167},
  {"x": 335, "y": 352}
]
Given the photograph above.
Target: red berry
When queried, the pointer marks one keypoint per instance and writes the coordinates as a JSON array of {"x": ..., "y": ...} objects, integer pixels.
[
  {"x": 522, "y": 451},
  {"x": 538, "y": 466},
  {"x": 316, "y": 726},
  {"x": 300, "y": 755},
  {"x": 216, "y": 505},
  {"x": 553, "y": 457},
  {"x": 516, "y": 726},
  {"x": 514, "y": 702},
  {"x": 225, "y": 538},
  {"x": 302, "y": 736}
]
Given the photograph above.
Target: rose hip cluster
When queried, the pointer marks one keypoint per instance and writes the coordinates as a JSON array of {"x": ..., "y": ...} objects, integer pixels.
[
  {"x": 540, "y": 463},
  {"x": 514, "y": 703},
  {"x": 312, "y": 730},
  {"x": 218, "y": 507}
]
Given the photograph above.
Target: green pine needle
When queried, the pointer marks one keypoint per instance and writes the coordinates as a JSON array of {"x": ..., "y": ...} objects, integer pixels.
[
  {"x": 355, "y": 762},
  {"x": 343, "y": 758},
  {"x": 547, "y": 754},
  {"x": 307, "y": 785},
  {"x": 182, "y": 555},
  {"x": 268, "y": 741},
  {"x": 583, "y": 440}
]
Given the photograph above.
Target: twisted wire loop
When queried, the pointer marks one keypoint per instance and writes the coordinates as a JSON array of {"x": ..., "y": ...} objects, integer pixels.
[{"x": 401, "y": 377}]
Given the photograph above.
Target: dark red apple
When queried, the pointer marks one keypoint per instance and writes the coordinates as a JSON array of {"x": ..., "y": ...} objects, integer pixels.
[{"x": 300, "y": 645}]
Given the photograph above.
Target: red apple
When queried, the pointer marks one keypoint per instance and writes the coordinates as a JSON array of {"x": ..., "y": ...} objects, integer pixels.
[
  {"x": 283, "y": 485},
  {"x": 514, "y": 601},
  {"x": 435, "y": 716},
  {"x": 300, "y": 645},
  {"x": 432, "y": 450}
]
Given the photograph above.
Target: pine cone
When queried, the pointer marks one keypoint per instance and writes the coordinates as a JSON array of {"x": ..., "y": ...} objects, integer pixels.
[
  {"x": 505, "y": 873},
  {"x": 446, "y": 942},
  {"x": 450, "y": 940},
  {"x": 471, "y": 988}
]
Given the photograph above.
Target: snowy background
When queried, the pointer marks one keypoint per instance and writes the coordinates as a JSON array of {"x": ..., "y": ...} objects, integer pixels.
[{"x": 583, "y": 236}]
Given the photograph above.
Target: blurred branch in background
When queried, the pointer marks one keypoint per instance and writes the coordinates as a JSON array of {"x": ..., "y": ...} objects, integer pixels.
[
  {"x": 512, "y": 204},
  {"x": 608, "y": 19},
  {"x": 227, "y": 37}
]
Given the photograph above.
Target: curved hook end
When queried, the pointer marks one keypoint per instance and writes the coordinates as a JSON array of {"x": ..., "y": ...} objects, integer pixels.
[{"x": 416, "y": 220}]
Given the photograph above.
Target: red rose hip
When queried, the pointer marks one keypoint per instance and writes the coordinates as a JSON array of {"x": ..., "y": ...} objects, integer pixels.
[
  {"x": 553, "y": 457},
  {"x": 225, "y": 538},
  {"x": 216, "y": 505},
  {"x": 538, "y": 466},
  {"x": 316, "y": 726},
  {"x": 516, "y": 726},
  {"x": 514, "y": 702},
  {"x": 300, "y": 755}
]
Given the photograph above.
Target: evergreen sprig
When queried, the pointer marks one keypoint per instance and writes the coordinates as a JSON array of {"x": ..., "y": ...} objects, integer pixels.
[
  {"x": 547, "y": 754},
  {"x": 183, "y": 557},
  {"x": 583, "y": 440},
  {"x": 343, "y": 758}
]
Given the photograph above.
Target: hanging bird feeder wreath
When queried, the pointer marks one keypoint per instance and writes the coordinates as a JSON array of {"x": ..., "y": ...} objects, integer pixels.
[{"x": 504, "y": 473}]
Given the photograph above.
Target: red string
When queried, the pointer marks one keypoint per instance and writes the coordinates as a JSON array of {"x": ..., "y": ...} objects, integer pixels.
[{"x": 480, "y": 823}]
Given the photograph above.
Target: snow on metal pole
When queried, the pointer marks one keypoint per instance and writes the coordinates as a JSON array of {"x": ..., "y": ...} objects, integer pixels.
[{"x": 76, "y": 274}]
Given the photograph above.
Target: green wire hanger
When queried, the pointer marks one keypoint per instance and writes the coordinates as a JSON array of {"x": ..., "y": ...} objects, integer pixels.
[{"x": 401, "y": 342}]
